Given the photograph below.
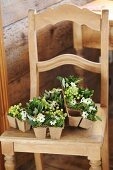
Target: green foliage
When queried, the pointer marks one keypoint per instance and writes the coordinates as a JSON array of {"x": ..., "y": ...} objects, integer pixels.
[
  {"x": 38, "y": 120},
  {"x": 56, "y": 118},
  {"x": 54, "y": 96},
  {"x": 18, "y": 112},
  {"x": 66, "y": 81},
  {"x": 15, "y": 110},
  {"x": 79, "y": 98},
  {"x": 43, "y": 111},
  {"x": 36, "y": 106},
  {"x": 48, "y": 110}
]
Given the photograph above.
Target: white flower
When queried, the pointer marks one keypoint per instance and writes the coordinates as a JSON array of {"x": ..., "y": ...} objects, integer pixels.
[
  {"x": 53, "y": 104},
  {"x": 56, "y": 117},
  {"x": 73, "y": 84},
  {"x": 91, "y": 108},
  {"x": 73, "y": 102},
  {"x": 63, "y": 82},
  {"x": 34, "y": 119},
  {"x": 67, "y": 85},
  {"x": 53, "y": 122},
  {"x": 41, "y": 117},
  {"x": 86, "y": 101},
  {"x": 84, "y": 115},
  {"x": 24, "y": 115}
]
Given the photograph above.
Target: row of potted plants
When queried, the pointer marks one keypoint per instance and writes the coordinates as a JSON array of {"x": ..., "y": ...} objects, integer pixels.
[
  {"x": 41, "y": 114},
  {"x": 80, "y": 107},
  {"x": 50, "y": 111}
]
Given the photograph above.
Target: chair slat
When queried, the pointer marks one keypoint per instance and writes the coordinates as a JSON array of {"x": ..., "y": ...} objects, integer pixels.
[{"x": 68, "y": 59}]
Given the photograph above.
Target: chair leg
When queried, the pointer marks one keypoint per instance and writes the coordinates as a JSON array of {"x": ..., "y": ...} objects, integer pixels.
[
  {"x": 105, "y": 151},
  {"x": 95, "y": 165},
  {"x": 9, "y": 162},
  {"x": 38, "y": 161}
]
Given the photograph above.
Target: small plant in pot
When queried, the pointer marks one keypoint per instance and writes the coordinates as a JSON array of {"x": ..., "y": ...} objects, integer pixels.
[
  {"x": 56, "y": 121},
  {"x": 22, "y": 120},
  {"x": 36, "y": 116},
  {"x": 12, "y": 113},
  {"x": 55, "y": 112},
  {"x": 80, "y": 107}
]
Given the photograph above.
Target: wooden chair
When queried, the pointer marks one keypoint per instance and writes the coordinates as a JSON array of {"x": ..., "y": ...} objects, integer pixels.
[
  {"x": 92, "y": 143},
  {"x": 95, "y": 147}
]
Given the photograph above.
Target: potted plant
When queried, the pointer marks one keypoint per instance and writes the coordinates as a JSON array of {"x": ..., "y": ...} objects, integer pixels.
[
  {"x": 38, "y": 124},
  {"x": 22, "y": 120},
  {"x": 80, "y": 107},
  {"x": 55, "y": 112},
  {"x": 12, "y": 112},
  {"x": 36, "y": 116},
  {"x": 56, "y": 121}
]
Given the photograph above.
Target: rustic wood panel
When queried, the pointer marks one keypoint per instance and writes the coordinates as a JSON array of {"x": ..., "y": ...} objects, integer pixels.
[
  {"x": 15, "y": 10},
  {"x": 11, "y": 14},
  {"x": 58, "y": 38},
  {"x": 19, "y": 89},
  {"x": 3, "y": 89}
]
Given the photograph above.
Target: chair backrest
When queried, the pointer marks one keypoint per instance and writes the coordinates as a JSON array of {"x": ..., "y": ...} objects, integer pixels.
[{"x": 68, "y": 12}]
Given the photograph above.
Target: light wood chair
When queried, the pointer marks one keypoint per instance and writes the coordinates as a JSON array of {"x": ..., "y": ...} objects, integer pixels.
[
  {"x": 95, "y": 147},
  {"x": 92, "y": 143}
]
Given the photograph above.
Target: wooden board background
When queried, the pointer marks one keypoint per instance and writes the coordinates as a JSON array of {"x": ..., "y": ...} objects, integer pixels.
[{"x": 3, "y": 89}]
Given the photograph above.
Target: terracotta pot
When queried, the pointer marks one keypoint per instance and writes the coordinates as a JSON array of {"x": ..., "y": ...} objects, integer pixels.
[
  {"x": 23, "y": 125},
  {"x": 12, "y": 121},
  {"x": 40, "y": 132},
  {"x": 55, "y": 132},
  {"x": 86, "y": 124}
]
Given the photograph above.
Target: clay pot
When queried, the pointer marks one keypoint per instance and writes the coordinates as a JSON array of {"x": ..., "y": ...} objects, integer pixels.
[
  {"x": 23, "y": 125},
  {"x": 12, "y": 121},
  {"x": 40, "y": 132},
  {"x": 55, "y": 132}
]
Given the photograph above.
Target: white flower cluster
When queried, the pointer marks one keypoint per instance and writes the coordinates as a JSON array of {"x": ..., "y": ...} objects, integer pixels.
[
  {"x": 53, "y": 122},
  {"x": 73, "y": 102},
  {"x": 86, "y": 101},
  {"x": 53, "y": 105},
  {"x": 24, "y": 115},
  {"x": 40, "y": 118},
  {"x": 85, "y": 115},
  {"x": 73, "y": 84}
]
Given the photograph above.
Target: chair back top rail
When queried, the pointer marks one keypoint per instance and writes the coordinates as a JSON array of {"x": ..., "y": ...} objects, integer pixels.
[{"x": 67, "y": 12}]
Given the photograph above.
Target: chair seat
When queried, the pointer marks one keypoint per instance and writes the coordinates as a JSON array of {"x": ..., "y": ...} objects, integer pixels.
[{"x": 78, "y": 138}]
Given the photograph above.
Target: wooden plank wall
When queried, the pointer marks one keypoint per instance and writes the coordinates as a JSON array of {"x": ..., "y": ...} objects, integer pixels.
[
  {"x": 15, "y": 23},
  {"x": 3, "y": 90}
]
